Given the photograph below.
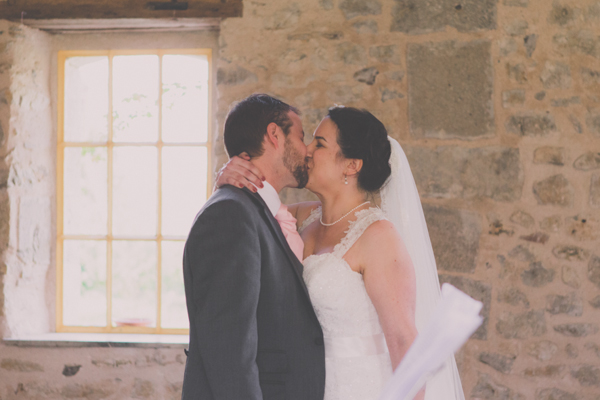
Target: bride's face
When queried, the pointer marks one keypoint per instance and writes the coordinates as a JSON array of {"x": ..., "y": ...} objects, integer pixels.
[{"x": 325, "y": 160}]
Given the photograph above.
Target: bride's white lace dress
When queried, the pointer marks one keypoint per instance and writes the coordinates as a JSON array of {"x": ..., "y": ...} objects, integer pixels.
[{"x": 356, "y": 356}]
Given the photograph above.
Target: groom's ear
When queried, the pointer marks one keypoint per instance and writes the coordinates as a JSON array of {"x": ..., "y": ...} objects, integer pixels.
[
  {"x": 272, "y": 135},
  {"x": 354, "y": 166}
]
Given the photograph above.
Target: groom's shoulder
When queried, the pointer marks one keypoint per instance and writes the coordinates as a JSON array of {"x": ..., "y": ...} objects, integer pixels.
[{"x": 230, "y": 197}]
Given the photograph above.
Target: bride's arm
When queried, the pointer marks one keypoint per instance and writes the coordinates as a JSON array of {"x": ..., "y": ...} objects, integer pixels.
[
  {"x": 240, "y": 172},
  {"x": 389, "y": 278}
]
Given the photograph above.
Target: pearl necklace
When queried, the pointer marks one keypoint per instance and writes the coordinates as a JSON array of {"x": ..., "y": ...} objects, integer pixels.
[{"x": 343, "y": 216}]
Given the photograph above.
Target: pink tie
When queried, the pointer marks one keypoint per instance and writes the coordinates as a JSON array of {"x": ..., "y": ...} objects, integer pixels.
[{"x": 288, "y": 226}]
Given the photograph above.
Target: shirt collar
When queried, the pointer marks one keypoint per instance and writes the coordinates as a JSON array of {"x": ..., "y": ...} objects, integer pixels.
[{"x": 270, "y": 196}]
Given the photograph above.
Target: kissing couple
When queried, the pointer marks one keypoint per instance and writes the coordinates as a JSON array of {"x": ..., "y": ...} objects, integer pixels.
[{"x": 315, "y": 300}]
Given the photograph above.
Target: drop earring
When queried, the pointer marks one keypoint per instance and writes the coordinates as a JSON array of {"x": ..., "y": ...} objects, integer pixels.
[{"x": 345, "y": 179}]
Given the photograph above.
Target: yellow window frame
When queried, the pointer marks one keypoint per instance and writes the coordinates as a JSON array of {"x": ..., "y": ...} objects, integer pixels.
[{"x": 61, "y": 145}]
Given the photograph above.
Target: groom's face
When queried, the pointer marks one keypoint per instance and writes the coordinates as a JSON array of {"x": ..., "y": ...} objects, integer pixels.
[{"x": 294, "y": 156}]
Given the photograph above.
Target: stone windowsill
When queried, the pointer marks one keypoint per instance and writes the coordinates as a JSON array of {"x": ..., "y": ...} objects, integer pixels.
[{"x": 99, "y": 340}]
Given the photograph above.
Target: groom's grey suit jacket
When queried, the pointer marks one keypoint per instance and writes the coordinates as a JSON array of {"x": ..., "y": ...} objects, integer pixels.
[{"x": 253, "y": 331}]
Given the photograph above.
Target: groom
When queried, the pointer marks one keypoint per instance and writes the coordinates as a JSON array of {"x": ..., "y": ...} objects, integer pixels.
[{"x": 253, "y": 331}]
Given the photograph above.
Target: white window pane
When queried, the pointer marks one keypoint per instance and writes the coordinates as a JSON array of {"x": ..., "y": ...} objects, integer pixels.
[
  {"x": 135, "y": 191},
  {"x": 84, "y": 283},
  {"x": 135, "y": 98},
  {"x": 86, "y": 99},
  {"x": 134, "y": 288},
  {"x": 85, "y": 191},
  {"x": 173, "y": 306},
  {"x": 185, "y": 98},
  {"x": 184, "y": 182}
]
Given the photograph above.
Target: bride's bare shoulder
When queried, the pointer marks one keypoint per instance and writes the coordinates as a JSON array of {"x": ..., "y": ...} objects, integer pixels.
[
  {"x": 302, "y": 210},
  {"x": 381, "y": 234}
]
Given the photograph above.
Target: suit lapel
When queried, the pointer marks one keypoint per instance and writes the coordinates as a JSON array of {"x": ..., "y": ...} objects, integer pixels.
[{"x": 276, "y": 228}]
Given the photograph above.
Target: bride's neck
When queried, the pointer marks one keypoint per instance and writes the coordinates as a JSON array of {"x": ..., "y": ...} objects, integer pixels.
[{"x": 334, "y": 205}]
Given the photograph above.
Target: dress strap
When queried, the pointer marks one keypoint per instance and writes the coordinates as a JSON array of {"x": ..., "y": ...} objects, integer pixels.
[
  {"x": 315, "y": 214},
  {"x": 364, "y": 219}
]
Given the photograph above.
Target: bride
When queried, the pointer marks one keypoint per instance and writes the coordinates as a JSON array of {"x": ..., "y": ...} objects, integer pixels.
[{"x": 370, "y": 271}]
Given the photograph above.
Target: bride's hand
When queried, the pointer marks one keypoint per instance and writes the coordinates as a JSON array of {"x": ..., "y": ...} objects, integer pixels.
[{"x": 240, "y": 172}]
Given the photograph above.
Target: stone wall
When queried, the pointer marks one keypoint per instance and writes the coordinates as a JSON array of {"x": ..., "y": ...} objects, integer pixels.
[
  {"x": 91, "y": 373},
  {"x": 26, "y": 181},
  {"x": 497, "y": 104}
]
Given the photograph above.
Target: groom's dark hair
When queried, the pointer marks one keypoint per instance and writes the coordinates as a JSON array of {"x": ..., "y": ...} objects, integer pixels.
[{"x": 246, "y": 123}]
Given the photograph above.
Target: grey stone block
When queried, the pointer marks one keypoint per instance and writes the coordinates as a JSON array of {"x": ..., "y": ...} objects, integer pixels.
[
  {"x": 595, "y": 190},
  {"x": 537, "y": 275},
  {"x": 537, "y": 237},
  {"x": 531, "y": 125},
  {"x": 571, "y": 304},
  {"x": 590, "y": 77},
  {"x": 549, "y": 155},
  {"x": 555, "y": 190},
  {"x": 513, "y": 98},
  {"x": 351, "y": 54},
  {"x": 565, "y": 102},
  {"x": 518, "y": 27},
  {"x": 493, "y": 172},
  {"x": 551, "y": 224},
  {"x": 576, "y": 124},
  {"x": 513, "y": 296},
  {"x": 386, "y": 54},
  {"x": 425, "y": 16},
  {"x": 516, "y": 72},
  {"x": 586, "y": 375},
  {"x": 11, "y": 364},
  {"x": 522, "y": 326},
  {"x": 576, "y": 330},
  {"x": 366, "y": 75},
  {"x": 522, "y": 218},
  {"x": 235, "y": 76},
  {"x": 326, "y": 4},
  {"x": 570, "y": 277},
  {"x": 572, "y": 350},
  {"x": 570, "y": 253},
  {"x": 582, "y": 42},
  {"x": 563, "y": 14},
  {"x": 530, "y": 42},
  {"x": 592, "y": 121},
  {"x": 390, "y": 94},
  {"x": 516, "y": 3},
  {"x": 548, "y": 371},
  {"x": 594, "y": 270},
  {"x": 454, "y": 237},
  {"x": 500, "y": 362},
  {"x": 522, "y": 253},
  {"x": 450, "y": 90},
  {"x": 355, "y": 8},
  {"x": 368, "y": 26},
  {"x": 488, "y": 389},
  {"x": 477, "y": 290},
  {"x": 556, "y": 75},
  {"x": 542, "y": 351}
]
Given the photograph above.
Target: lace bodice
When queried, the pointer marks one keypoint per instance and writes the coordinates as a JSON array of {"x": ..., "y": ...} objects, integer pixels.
[
  {"x": 337, "y": 292},
  {"x": 357, "y": 361}
]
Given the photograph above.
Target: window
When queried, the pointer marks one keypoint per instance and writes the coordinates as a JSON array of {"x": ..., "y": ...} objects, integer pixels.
[{"x": 132, "y": 164}]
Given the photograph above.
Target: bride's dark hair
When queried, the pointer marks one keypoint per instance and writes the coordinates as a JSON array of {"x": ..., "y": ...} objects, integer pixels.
[{"x": 362, "y": 136}]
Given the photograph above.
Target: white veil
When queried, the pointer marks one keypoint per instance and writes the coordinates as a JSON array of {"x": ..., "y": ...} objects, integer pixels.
[{"x": 401, "y": 202}]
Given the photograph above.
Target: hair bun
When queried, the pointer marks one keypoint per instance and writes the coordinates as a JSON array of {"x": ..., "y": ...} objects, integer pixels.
[{"x": 362, "y": 136}]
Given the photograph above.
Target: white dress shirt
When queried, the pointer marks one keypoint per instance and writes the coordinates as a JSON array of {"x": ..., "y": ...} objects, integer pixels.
[{"x": 270, "y": 196}]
